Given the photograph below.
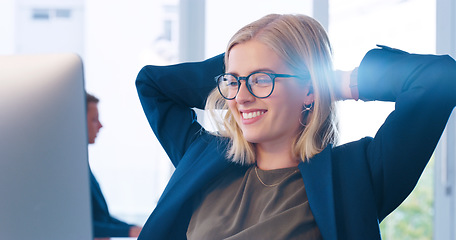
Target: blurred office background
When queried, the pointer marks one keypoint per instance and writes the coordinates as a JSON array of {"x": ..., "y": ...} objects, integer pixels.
[{"x": 116, "y": 38}]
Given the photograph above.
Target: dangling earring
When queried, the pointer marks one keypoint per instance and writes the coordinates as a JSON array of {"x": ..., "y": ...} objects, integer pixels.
[
  {"x": 305, "y": 111},
  {"x": 308, "y": 107}
]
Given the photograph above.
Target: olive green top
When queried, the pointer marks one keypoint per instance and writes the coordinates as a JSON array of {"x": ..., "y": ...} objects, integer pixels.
[{"x": 254, "y": 204}]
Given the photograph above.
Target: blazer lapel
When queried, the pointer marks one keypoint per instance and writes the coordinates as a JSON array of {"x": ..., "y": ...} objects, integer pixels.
[{"x": 318, "y": 181}]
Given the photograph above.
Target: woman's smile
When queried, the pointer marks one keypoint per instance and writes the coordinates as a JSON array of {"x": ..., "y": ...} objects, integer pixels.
[{"x": 251, "y": 116}]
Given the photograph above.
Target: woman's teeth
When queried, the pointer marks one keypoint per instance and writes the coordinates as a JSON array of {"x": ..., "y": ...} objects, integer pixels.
[{"x": 252, "y": 114}]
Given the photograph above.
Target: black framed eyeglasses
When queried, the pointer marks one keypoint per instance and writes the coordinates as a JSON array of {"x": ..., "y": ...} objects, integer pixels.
[{"x": 259, "y": 84}]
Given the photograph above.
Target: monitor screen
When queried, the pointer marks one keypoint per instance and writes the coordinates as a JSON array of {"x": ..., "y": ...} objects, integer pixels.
[{"x": 44, "y": 181}]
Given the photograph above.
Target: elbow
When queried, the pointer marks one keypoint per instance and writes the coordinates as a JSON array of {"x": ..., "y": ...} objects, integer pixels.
[{"x": 443, "y": 80}]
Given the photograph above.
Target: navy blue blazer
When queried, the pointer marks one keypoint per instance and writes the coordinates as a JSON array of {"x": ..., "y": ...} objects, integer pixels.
[
  {"x": 104, "y": 225},
  {"x": 351, "y": 187}
]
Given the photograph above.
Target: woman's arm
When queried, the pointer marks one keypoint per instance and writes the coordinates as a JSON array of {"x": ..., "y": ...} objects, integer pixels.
[
  {"x": 168, "y": 94},
  {"x": 423, "y": 87}
]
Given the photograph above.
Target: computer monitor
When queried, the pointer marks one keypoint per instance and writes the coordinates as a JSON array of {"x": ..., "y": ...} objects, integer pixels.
[{"x": 44, "y": 181}]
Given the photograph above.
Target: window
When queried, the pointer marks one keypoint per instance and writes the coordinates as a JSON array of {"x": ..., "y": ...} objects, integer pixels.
[
  {"x": 50, "y": 14},
  {"x": 40, "y": 14}
]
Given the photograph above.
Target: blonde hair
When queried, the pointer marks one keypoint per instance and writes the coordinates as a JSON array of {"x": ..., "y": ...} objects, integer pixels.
[{"x": 302, "y": 43}]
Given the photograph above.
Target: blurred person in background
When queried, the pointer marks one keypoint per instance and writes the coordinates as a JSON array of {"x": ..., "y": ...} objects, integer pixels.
[{"x": 104, "y": 225}]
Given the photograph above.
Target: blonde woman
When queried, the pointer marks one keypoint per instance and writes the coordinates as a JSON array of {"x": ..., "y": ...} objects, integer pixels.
[{"x": 273, "y": 170}]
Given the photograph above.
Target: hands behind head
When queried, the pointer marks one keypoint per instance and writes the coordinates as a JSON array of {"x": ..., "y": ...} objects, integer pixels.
[{"x": 346, "y": 84}]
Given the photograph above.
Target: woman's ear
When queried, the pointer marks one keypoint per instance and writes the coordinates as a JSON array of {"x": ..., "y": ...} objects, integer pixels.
[{"x": 309, "y": 96}]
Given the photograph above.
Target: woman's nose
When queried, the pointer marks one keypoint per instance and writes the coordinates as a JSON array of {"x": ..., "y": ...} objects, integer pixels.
[{"x": 244, "y": 95}]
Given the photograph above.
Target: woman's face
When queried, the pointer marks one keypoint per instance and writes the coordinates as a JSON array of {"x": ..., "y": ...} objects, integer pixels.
[
  {"x": 271, "y": 120},
  {"x": 93, "y": 123}
]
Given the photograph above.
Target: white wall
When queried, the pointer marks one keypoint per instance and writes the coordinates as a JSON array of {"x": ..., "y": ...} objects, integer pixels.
[
  {"x": 60, "y": 31},
  {"x": 7, "y": 21},
  {"x": 224, "y": 18}
]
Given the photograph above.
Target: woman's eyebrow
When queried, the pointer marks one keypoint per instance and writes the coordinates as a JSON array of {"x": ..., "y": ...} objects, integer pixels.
[{"x": 268, "y": 70}]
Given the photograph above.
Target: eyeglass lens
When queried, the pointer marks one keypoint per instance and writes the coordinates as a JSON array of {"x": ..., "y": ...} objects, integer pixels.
[{"x": 259, "y": 84}]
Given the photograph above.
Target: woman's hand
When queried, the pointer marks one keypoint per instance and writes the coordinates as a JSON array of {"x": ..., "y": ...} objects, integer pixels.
[
  {"x": 134, "y": 231},
  {"x": 346, "y": 84}
]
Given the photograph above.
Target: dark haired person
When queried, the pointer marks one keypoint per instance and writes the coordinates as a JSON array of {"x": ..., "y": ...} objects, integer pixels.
[{"x": 104, "y": 225}]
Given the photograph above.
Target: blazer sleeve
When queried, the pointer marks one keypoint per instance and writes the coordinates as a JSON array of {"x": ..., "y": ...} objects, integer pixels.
[
  {"x": 423, "y": 88},
  {"x": 104, "y": 225},
  {"x": 168, "y": 94},
  {"x": 112, "y": 228}
]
